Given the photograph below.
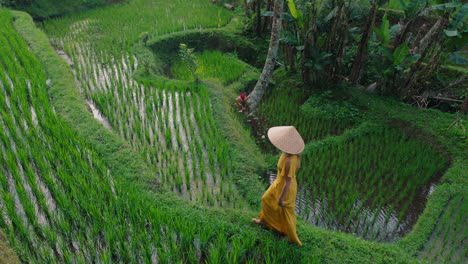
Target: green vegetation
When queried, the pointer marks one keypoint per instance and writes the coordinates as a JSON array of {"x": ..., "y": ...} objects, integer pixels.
[
  {"x": 169, "y": 123},
  {"x": 7, "y": 255},
  {"x": 350, "y": 181},
  {"x": 326, "y": 43},
  {"x": 281, "y": 106},
  {"x": 74, "y": 189},
  {"x": 446, "y": 242},
  {"x": 43, "y": 9},
  {"x": 180, "y": 228},
  {"x": 213, "y": 64},
  {"x": 360, "y": 186}
]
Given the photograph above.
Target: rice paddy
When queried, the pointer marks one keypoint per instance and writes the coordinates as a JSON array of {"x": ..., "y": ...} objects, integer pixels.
[
  {"x": 171, "y": 125},
  {"x": 213, "y": 64},
  {"x": 372, "y": 180},
  {"x": 447, "y": 240},
  {"x": 276, "y": 111},
  {"x": 358, "y": 187},
  {"x": 60, "y": 203}
]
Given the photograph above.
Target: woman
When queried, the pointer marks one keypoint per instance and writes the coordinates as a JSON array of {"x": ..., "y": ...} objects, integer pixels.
[{"x": 279, "y": 200}]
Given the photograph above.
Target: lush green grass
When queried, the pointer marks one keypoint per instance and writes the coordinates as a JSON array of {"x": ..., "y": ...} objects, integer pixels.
[
  {"x": 42, "y": 9},
  {"x": 97, "y": 220},
  {"x": 185, "y": 232},
  {"x": 7, "y": 255},
  {"x": 446, "y": 243},
  {"x": 452, "y": 184},
  {"x": 100, "y": 28},
  {"x": 180, "y": 220},
  {"x": 169, "y": 123},
  {"x": 350, "y": 181},
  {"x": 281, "y": 107},
  {"x": 212, "y": 64},
  {"x": 359, "y": 189}
]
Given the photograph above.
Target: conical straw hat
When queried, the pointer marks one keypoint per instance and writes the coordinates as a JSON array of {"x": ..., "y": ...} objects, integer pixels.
[{"x": 286, "y": 139}]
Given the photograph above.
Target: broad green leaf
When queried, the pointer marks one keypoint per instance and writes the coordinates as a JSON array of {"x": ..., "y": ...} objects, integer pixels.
[
  {"x": 296, "y": 13},
  {"x": 292, "y": 8},
  {"x": 413, "y": 6},
  {"x": 385, "y": 28},
  {"x": 267, "y": 14},
  {"x": 459, "y": 19},
  {"x": 378, "y": 32},
  {"x": 438, "y": 7},
  {"x": 384, "y": 32},
  {"x": 403, "y": 4},
  {"x": 331, "y": 15},
  {"x": 400, "y": 54},
  {"x": 451, "y": 33},
  {"x": 445, "y": 6},
  {"x": 386, "y": 53},
  {"x": 287, "y": 17},
  {"x": 457, "y": 58},
  {"x": 451, "y": 5}
]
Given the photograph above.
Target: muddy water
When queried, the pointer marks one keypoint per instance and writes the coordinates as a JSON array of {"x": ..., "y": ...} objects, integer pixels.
[
  {"x": 98, "y": 115},
  {"x": 372, "y": 224}
]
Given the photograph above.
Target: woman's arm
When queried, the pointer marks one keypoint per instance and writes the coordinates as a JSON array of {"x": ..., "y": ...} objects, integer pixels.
[
  {"x": 286, "y": 184},
  {"x": 285, "y": 191}
]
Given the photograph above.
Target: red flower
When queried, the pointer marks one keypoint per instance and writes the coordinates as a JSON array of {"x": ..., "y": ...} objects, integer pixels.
[{"x": 242, "y": 103}]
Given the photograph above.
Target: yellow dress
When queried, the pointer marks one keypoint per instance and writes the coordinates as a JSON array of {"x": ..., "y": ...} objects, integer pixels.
[{"x": 282, "y": 219}]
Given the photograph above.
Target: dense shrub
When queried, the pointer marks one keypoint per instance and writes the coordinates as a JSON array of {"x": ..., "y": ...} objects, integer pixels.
[{"x": 42, "y": 9}]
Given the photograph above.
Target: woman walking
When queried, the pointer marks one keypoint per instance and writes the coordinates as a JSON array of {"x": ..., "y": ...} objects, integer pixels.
[{"x": 278, "y": 201}]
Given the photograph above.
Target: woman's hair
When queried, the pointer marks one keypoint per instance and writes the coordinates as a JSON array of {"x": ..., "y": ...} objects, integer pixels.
[{"x": 298, "y": 158}]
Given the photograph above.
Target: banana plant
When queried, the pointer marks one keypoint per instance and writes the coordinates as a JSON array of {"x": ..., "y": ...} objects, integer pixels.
[{"x": 384, "y": 31}]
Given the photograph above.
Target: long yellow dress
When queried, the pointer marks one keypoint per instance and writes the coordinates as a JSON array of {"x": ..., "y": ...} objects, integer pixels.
[{"x": 273, "y": 216}]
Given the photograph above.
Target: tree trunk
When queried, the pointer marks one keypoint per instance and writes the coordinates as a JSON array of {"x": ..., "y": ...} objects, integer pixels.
[
  {"x": 335, "y": 40},
  {"x": 262, "y": 83},
  {"x": 309, "y": 43},
  {"x": 305, "y": 55},
  {"x": 289, "y": 51},
  {"x": 355, "y": 75},
  {"x": 431, "y": 41},
  {"x": 258, "y": 10},
  {"x": 267, "y": 19},
  {"x": 425, "y": 40},
  {"x": 247, "y": 9}
]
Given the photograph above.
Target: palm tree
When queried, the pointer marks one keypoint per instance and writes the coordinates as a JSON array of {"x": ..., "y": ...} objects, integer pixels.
[{"x": 262, "y": 83}]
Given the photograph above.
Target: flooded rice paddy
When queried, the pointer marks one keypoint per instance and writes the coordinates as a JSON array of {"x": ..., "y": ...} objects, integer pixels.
[{"x": 384, "y": 222}]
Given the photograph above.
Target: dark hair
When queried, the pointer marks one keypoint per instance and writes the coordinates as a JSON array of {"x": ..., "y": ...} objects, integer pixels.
[{"x": 288, "y": 155}]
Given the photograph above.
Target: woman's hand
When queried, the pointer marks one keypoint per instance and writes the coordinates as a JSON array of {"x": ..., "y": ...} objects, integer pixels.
[{"x": 281, "y": 202}]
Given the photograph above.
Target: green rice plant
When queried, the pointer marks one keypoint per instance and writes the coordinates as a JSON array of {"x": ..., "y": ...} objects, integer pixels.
[
  {"x": 212, "y": 64},
  {"x": 361, "y": 169},
  {"x": 281, "y": 106}
]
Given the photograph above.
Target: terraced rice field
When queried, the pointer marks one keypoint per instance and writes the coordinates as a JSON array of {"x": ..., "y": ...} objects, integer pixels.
[
  {"x": 276, "y": 111},
  {"x": 358, "y": 187},
  {"x": 446, "y": 244},
  {"x": 370, "y": 180},
  {"x": 170, "y": 124},
  {"x": 60, "y": 204}
]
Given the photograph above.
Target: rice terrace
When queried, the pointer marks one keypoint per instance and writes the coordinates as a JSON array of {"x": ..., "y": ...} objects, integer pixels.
[{"x": 143, "y": 131}]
